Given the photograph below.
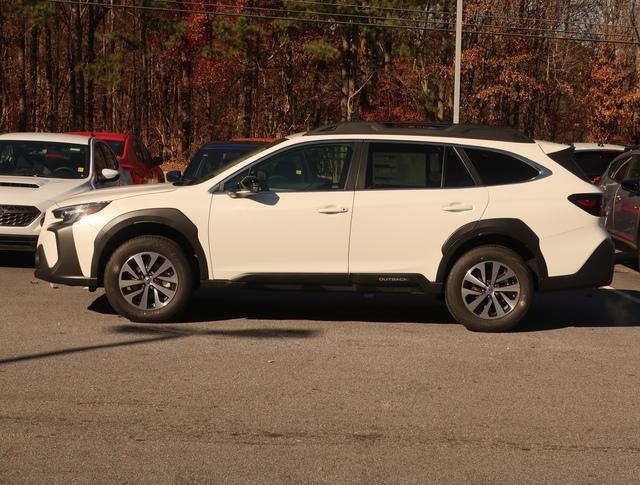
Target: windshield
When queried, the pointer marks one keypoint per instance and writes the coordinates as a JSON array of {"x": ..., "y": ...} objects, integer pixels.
[
  {"x": 44, "y": 159},
  {"x": 209, "y": 162},
  {"x": 116, "y": 146}
]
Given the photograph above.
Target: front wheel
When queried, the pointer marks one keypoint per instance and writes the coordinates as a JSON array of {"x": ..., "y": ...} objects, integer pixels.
[
  {"x": 489, "y": 289},
  {"x": 148, "y": 279}
]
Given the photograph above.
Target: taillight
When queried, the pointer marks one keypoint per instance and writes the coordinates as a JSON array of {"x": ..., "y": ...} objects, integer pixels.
[{"x": 591, "y": 203}]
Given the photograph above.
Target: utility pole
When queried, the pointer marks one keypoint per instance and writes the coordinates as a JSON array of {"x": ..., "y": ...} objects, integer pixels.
[{"x": 458, "y": 60}]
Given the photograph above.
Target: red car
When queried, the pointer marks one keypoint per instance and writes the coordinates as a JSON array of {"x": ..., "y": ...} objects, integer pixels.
[{"x": 133, "y": 156}]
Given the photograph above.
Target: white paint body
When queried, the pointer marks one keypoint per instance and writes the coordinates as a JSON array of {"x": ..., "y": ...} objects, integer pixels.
[{"x": 379, "y": 231}]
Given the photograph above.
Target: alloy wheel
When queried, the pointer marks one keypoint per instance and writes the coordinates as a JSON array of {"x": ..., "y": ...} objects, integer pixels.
[
  {"x": 148, "y": 280},
  {"x": 490, "y": 290}
]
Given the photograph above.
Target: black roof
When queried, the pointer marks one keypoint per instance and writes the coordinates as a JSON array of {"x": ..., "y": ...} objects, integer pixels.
[{"x": 476, "y": 132}]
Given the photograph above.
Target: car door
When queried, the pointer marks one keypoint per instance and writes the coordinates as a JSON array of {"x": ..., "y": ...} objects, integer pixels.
[
  {"x": 412, "y": 197},
  {"x": 609, "y": 187},
  {"x": 297, "y": 226},
  {"x": 626, "y": 206}
]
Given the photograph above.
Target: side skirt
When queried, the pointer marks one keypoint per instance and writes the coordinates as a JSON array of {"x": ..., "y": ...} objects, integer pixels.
[{"x": 360, "y": 282}]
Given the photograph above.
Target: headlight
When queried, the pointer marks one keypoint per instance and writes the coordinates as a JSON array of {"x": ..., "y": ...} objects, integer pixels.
[{"x": 73, "y": 213}]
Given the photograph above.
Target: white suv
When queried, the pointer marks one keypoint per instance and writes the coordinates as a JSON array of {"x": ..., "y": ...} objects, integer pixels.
[
  {"x": 38, "y": 169},
  {"x": 482, "y": 215}
]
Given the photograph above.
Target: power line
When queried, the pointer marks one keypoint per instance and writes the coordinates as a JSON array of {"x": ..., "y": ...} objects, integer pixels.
[
  {"x": 371, "y": 7},
  {"x": 360, "y": 8},
  {"x": 98, "y": 3},
  {"x": 444, "y": 12},
  {"x": 506, "y": 30},
  {"x": 306, "y": 12}
]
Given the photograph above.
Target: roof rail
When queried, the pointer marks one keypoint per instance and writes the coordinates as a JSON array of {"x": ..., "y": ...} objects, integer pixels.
[{"x": 477, "y": 132}]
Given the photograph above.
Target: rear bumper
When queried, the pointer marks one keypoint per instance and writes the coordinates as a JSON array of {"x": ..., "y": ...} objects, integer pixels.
[
  {"x": 18, "y": 243},
  {"x": 66, "y": 270},
  {"x": 595, "y": 272}
]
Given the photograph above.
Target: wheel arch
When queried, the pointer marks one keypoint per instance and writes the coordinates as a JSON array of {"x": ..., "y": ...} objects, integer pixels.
[
  {"x": 170, "y": 223},
  {"x": 510, "y": 233}
]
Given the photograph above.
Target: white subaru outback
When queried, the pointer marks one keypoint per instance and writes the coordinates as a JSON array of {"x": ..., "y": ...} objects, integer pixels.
[{"x": 481, "y": 215}]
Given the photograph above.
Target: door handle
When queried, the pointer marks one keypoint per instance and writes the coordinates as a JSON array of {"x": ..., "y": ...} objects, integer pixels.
[
  {"x": 333, "y": 210},
  {"x": 457, "y": 207}
]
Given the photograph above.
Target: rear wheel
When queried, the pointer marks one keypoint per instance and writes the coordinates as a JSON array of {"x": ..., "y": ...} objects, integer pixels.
[
  {"x": 148, "y": 279},
  {"x": 489, "y": 289}
]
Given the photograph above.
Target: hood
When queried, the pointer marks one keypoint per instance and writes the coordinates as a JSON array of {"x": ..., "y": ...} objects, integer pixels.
[
  {"x": 38, "y": 191},
  {"x": 118, "y": 193}
]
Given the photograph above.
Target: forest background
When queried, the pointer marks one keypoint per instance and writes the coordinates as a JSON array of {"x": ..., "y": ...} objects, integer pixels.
[{"x": 181, "y": 73}]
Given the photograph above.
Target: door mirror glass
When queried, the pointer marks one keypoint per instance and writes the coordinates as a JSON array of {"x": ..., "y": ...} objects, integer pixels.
[{"x": 631, "y": 185}]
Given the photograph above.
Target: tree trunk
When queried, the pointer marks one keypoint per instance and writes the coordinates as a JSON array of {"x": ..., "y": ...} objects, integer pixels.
[
  {"x": 77, "y": 76},
  {"x": 33, "y": 107},
  {"x": 22, "y": 85},
  {"x": 185, "y": 105},
  {"x": 348, "y": 60}
]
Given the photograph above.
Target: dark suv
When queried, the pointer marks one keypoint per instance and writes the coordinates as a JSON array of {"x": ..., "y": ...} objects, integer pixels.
[
  {"x": 213, "y": 156},
  {"x": 621, "y": 184}
]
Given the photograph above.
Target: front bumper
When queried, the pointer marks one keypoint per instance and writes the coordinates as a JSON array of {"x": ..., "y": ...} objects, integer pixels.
[
  {"x": 66, "y": 270},
  {"x": 597, "y": 271},
  {"x": 18, "y": 243}
]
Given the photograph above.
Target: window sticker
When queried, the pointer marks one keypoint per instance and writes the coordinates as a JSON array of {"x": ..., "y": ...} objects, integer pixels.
[
  {"x": 80, "y": 169},
  {"x": 298, "y": 172},
  {"x": 74, "y": 149}
]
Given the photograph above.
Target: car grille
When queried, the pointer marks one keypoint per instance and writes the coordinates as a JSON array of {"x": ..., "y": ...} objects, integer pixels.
[{"x": 17, "y": 215}]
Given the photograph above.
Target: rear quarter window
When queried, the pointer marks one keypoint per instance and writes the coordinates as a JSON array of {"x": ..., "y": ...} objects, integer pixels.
[{"x": 497, "y": 168}]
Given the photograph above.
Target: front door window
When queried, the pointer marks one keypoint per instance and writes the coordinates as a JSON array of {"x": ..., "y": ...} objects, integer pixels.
[{"x": 318, "y": 167}]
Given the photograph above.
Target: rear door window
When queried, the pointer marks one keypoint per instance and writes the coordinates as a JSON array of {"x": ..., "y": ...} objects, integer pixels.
[
  {"x": 404, "y": 166},
  {"x": 456, "y": 174},
  {"x": 497, "y": 168}
]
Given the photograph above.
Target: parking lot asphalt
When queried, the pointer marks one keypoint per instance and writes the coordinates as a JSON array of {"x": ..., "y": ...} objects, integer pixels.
[{"x": 268, "y": 387}]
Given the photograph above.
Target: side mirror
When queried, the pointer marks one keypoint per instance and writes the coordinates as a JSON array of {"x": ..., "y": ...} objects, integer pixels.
[
  {"x": 247, "y": 187},
  {"x": 156, "y": 161},
  {"x": 631, "y": 185},
  {"x": 173, "y": 176},
  {"x": 108, "y": 175}
]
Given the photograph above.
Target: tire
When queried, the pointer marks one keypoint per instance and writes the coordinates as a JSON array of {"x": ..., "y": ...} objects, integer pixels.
[
  {"x": 166, "y": 279},
  {"x": 487, "y": 308}
]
